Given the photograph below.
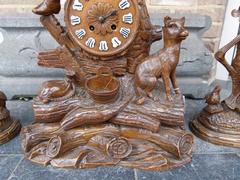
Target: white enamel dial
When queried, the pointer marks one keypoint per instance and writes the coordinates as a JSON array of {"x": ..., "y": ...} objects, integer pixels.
[
  {"x": 103, "y": 28},
  {"x": 90, "y": 42},
  {"x": 103, "y": 46},
  {"x": 75, "y": 20},
  {"x": 125, "y": 32},
  {"x": 124, "y": 4},
  {"x": 116, "y": 42},
  {"x": 77, "y": 5},
  {"x": 80, "y": 33},
  {"x": 128, "y": 18}
]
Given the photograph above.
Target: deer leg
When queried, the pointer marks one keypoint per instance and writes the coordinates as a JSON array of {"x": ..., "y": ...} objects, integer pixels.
[
  {"x": 166, "y": 82},
  {"x": 152, "y": 81},
  {"x": 140, "y": 96},
  {"x": 174, "y": 83}
]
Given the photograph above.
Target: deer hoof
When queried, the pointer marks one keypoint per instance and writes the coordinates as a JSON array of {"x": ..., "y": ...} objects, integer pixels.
[
  {"x": 169, "y": 98},
  {"x": 140, "y": 101}
]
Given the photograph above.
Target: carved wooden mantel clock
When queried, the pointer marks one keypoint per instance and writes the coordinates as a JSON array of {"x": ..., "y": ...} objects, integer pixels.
[{"x": 110, "y": 109}]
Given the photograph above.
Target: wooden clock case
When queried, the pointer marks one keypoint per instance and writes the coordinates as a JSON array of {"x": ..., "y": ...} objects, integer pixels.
[{"x": 78, "y": 127}]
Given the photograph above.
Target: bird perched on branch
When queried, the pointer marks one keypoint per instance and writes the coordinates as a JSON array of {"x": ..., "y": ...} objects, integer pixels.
[{"x": 214, "y": 98}]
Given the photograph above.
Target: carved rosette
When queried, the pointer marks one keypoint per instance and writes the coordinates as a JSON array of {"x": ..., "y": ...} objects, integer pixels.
[
  {"x": 119, "y": 148},
  {"x": 102, "y": 10},
  {"x": 54, "y": 147},
  {"x": 185, "y": 145}
]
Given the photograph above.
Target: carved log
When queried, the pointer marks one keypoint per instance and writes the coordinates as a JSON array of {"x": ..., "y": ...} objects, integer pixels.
[
  {"x": 102, "y": 138},
  {"x": 50, "y": 59},
  {"x": 88, "y": 116},
  {"x": 149, "y": 116}
]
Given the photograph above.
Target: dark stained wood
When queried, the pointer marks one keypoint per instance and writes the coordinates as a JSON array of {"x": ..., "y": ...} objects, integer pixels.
[
  {"x": 219, "y": 122},
  {"x": 90, "y": 118},
  {"x": 9, "y": 127}
]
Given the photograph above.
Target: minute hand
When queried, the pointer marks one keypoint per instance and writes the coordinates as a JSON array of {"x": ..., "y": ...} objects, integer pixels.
[{"x": 113, "y": 13}]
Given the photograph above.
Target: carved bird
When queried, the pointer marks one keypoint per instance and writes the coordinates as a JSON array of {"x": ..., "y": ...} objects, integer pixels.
[{"x": 214, "y": 98}]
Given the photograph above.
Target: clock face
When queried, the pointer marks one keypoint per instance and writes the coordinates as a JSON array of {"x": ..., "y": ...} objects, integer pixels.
[{"x": 102, "y": 27}]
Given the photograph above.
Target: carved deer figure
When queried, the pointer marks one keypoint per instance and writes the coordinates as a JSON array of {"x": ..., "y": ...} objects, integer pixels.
[{"x": 163, "y": 63}]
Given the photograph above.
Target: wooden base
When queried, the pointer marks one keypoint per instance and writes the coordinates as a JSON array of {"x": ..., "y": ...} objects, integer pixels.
[
  {"x": 220, "y": 128},
  {"x": 76, "y": 132},
  {"x": 214, "y": 137},
  {"x": 106, "y": 145},
  {"x": 10, "y": 132}
]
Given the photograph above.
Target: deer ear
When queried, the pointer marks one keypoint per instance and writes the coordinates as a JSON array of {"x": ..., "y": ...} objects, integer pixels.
[
  {"x": 183, "y": 19},
  {"x": 166, "y": 19}
]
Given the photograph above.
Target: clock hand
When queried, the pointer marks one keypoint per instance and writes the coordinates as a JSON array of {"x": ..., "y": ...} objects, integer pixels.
[{"x": 102, "y": 19}]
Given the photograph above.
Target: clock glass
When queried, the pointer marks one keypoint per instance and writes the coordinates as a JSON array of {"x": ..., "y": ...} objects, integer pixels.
[{"x": 102, "y": 27}]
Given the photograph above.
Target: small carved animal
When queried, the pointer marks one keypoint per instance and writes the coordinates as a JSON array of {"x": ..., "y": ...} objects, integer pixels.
[
  {"x": 163, "y": 63},
  {"x": 214, "y": 98}
]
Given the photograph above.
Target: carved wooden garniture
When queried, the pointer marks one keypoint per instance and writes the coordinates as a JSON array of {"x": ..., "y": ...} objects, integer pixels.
[
  {"x": 219, "y": 122},
  {"x": 91, "y": 118},
  {"x": 9, "y": 127}
]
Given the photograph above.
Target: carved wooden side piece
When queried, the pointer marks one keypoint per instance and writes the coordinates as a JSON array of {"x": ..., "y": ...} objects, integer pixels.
[
  {"x": 219, "y": 122},
  {"x": 9, "y": 127}
]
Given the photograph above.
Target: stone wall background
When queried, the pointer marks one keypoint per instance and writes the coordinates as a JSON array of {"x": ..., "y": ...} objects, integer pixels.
[{"x": 214, "y": 8}]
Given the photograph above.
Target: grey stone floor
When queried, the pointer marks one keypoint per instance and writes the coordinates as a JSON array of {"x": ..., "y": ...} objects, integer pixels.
[{"x": 209, "y": 161}]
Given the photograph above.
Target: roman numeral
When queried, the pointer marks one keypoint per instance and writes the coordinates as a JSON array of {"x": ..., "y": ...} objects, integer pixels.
[
  {"x": 77, "y": 5},
  {"x": 124, "y": 4},
  {"x": 80, "y": 33},
  {"x": 103, "y": 46},
  {"x": 90, "y": 42},
  {"x": 128, "y": 18},
  {"x": 75, "y": 20},
  {"x": 125, "y": 32},
  {"x": 116, "y": 42}
]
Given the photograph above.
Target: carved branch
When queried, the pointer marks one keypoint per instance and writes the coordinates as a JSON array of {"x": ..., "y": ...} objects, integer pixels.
[
  {"x": 66, "y": 53},
  {"x": 220, "y": 55}
]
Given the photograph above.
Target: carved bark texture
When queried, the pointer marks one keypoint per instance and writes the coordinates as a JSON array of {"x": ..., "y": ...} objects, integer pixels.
[{"x": 103, "y": 145}]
